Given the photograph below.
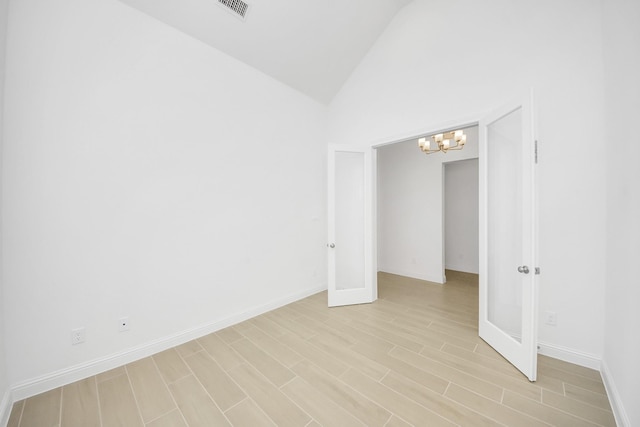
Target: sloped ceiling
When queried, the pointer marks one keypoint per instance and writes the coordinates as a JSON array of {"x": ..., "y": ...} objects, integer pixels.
[{"x": 309, "y": 45}]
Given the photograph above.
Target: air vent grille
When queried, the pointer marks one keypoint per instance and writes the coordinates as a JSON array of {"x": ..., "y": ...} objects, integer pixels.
[{"x": 238, "y": 7}]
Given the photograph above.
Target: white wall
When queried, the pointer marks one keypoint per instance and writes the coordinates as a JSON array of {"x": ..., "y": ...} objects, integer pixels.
[
  {"x": 441, "y": 60},
  {"x": 461, "y": 216},
  {"x": 410, "y": 208},
  {"x": 4, "y": 383},
  {"x": 147, "y": 175},
  {"x": 622, "y": 345}
]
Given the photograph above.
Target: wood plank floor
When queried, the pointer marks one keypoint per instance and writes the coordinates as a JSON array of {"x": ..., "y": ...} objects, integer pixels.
[{"x": 411, "y": 358}]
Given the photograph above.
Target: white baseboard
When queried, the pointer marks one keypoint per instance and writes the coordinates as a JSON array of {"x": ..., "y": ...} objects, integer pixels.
[
  {"x": 622, "y": 420},
  {"x": 6, "y": 405},
  {"x": 570, "y": 355},
  {"x": 69, "y": 375},
  {"x": 412, "y": 274}
]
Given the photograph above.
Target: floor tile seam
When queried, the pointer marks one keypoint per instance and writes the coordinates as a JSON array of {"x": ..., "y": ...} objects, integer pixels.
[
  {"x": 289, "y": 330},
  {"x": 133, "y": 392},
  {"x": 279, "y": 390},
  {"x": 556, "y": 409},
  {"x": 407, "y": 334},
  {"x": 260, "y": 409},
  {"x": 217, "y": 334},
  {"x": 60, "y": 408},
  {"x": 295, "y": 376},
  {"x": 403, "y": 396},
  {"x": 503, "y": 376},
  {"x": 257, "y": 369},
  {"x": 491, "y": 417},
  {"x": 589, "y": 380},
  {"x": 164, "y": 414},
  {"x": 383, "y": 339},
  {"x": 24, "y": 403},
  {"x": 345, "y": 364},
  {"x": 202, "y": 385},
  {"x": 246, "y": 397},
  {"x": 267, "y": 332},
  {"x": 458, "y": 370},
  {"x": 497, "y": 369},
  {"x": 265, "y": 350},
  {"x": 267, "y": 415},
  {"x": 367, "y": 334},
  {"x": 471, "y": 338},
  {"x": 386, "y": 408},
  {"x": 581, "y": 402},
  {"x": 353, "y": 390},
  {"x": 472, "y": 409},
  {"x": 166, "y": 384},
  {"x": 593, "y": 406},
  {"x": 443, "y": 321},
  {"x": 95, "y": 378},
  {"x": 546, "y": 365},
  {"x": 305, "y": 358}
]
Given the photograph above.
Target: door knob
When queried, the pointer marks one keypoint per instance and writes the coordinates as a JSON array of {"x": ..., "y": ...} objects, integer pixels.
[
  {"x": 523, "y": 269},
  {"x": 331, "y": 245}
]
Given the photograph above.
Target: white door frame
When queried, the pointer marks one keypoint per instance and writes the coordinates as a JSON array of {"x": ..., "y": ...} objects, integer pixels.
[{"x": 464, "y": 122}]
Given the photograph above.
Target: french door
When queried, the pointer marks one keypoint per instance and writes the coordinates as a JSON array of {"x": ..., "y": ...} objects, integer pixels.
[
  {"x": 508, "y": 311},
  {"x": 351, "y": 256}
]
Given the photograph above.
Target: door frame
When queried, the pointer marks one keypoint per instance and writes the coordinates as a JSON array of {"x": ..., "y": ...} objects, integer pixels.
[{"x": 463, "y": 122}]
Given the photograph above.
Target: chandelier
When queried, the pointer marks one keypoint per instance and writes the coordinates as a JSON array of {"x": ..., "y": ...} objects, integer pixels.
[{"x": 443, "y": 142}]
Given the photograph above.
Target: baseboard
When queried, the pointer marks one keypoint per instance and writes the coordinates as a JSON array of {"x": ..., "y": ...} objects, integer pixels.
[
  {"x": 570, "y": 355},
  {"x": 622, "y": 420},
  {"x": 75, "y": 373},
  {"x": 5, "y": 408},
  {"x": 429, "y": 278}
]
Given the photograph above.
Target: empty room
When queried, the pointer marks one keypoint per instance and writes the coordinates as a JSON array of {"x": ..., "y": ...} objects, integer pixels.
[{"x": 230, "y": 213}]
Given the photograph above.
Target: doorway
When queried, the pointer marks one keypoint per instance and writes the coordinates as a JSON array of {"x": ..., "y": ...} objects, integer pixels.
[
  {"x": 460, "y": 216},
  {"x": 411, "y": 209}
]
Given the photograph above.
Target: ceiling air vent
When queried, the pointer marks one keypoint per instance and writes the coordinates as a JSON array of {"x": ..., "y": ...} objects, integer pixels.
[{"x": 237, "y": 7}]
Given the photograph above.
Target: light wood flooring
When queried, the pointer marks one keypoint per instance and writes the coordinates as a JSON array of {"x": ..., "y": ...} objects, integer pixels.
[{"x": 411, "y": 358}]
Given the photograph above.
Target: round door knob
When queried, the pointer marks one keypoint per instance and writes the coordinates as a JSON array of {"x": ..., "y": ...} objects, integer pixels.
[
  {"x": 331, "y": 245},
  {"x": 523, "y": 269}
]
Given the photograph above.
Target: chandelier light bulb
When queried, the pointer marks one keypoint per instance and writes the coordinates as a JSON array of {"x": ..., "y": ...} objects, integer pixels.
[{"x": 452, "y": 140}]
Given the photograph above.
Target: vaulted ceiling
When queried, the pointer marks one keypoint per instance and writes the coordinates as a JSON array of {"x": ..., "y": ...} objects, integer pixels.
[{"x": 309, "y": 45}]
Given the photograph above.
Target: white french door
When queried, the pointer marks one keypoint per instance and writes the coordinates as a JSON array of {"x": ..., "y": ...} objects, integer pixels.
[
  {"x": 351, "y": 278},
  {"x": 508, "y": 243}
]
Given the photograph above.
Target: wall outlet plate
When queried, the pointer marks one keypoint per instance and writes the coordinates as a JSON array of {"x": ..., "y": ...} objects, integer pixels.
[
  {"x": 552, "y": 318},
  {"x": 77, "y": 336}
]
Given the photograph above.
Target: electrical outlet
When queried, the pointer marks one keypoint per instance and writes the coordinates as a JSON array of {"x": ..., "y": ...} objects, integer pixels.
[
  {"x": 77, "y": 336},
  {"x": 552, "y": 318},
  {"x": 123, "y": 324}
]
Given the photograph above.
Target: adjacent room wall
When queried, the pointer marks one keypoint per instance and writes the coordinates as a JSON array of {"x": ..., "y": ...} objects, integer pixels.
[
  {"x": 146, "y": 175},
  {"x": 461, "y": 216},
  {"x": 410, "y": 208},
  {"x": 5, "y": 400},
  {"x": 622, "y": 345},
  {"x": 441, "y": 61}
]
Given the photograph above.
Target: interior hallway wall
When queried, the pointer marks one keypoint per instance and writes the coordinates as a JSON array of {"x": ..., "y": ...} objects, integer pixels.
[
  {"x": 444, "y": 60},
  {"x": 622, "y": 68},
  {"x": 410, "y": 208},
  {"x": 461, "y": 216},
  {"x": 146, "y": 175}
]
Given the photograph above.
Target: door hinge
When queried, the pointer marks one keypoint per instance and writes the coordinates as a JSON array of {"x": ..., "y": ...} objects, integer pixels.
[
  {"x": 537, "y": 270},
  {"x": 535, "y": 150}
]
